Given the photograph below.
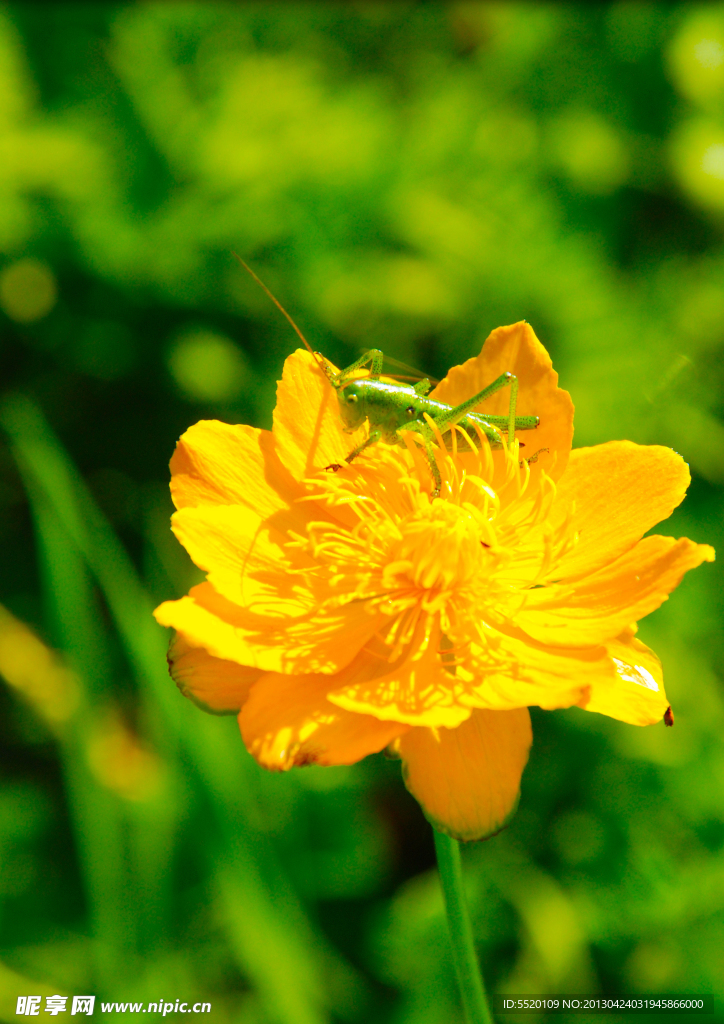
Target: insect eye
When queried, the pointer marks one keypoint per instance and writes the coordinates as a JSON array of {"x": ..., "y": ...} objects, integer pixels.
[{"x": 351, "y": 399}]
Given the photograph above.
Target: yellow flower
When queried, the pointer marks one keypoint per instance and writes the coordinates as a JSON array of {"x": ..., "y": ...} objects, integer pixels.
[{"x": 347, "y": 612}]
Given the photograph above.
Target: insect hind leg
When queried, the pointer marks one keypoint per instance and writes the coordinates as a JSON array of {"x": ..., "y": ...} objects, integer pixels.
[
  {"x": 507, "y": 379},
  {"x": 511, "y": 412}
]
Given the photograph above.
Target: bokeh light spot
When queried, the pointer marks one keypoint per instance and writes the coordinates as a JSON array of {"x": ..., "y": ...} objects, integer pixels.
[
  {"x": 416, "y": 287},
  {"x": 709, "y": 52},
  {"x": 590, "y": 151},
  {"x": 207, "y": 366},
  {"x": 697, "y": 151},
  {"x": 653, "y": 965},
  {"x": 712, "y": 161},
  {"x": 696, "y": 57},
  {"x": 28, "y": 290}
]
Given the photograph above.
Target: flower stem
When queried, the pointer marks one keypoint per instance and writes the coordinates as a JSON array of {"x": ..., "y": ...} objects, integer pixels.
[{"x": 467, "y": 968}]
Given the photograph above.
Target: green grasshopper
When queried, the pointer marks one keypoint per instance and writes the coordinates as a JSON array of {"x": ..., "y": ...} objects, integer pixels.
[{"x": 392, "y": 407}]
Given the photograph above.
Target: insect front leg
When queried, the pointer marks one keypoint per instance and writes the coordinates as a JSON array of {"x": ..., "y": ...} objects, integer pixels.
[
  {"x": 373, "y": 438},
  {"x": 373, "y": 358},
  {"x": 434, "y": 468}
]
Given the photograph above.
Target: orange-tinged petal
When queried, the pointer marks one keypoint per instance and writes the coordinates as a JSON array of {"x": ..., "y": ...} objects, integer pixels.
[
  {"x": 420, "y": 691},
  {"x": 468, "y": 779},
  {"x": 325, "y": 641},
  {"x": 615, "y": 493},
  {"x": 223, "y": 464},
  {"x": 308, "y": 428},
  {"x": 517, "y": 350},
  {"x": 636, "y": 694},
  {"x": 599, "y": 607},
  {"x": 213, "y": 684},
  {"x": 288, "y": 721}
]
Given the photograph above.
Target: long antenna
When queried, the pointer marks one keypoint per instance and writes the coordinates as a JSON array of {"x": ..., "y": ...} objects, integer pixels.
[{"x": 277, "y": 303}]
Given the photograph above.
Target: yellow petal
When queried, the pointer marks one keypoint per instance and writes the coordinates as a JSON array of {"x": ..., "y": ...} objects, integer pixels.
[
  {"x": 208, "y": 621},
  {"x": 215, "y": 685},
  {"x": 420, "y": 691},
  {"x": 288, "y": 721},
  {"x": 416, "y": 689},
  {"x": 517, "y": 350},
  {"x": 636, "y": 693},
  {"x": 597, "y": 608},
  {"x": 223, "y": 464},
  {"x": 325, "y": 641},
  {"x": 617, "y": 492},
  {"x": 245, "y": 558},
  {"x": 308, "y": 428},
  {"x": 538, "y": 674},
  {"x": 468, "y": 779}
]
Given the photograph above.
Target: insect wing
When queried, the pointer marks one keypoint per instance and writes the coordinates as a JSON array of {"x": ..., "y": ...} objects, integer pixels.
[{"x": 409, "y": 372}]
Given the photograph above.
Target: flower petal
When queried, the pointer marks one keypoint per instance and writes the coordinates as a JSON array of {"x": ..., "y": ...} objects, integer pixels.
[
  {"x": 207, "y": 620},
  {"x": 517, "y": 350},
  {"x": 308, "y": 428},
  {"x": 421, "y": 691},
  {"x": 537, "y": 674},
  {"x": 223, "y": 464},
  {"x": 599, "y": 607},
  {"x": 468, "y": 779},
  {"x": 213, "y": 684},
  {"x": 325, "y": 641},
  {"x": 244, "y": 556},
  {"x": 614, "y": 493},
  {"x": 636, "y": 694},
  {"x": 416, "y": 690},
  {"x": 288, "y": 721}
]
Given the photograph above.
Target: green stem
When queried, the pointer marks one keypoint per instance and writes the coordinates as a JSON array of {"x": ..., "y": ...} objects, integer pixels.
[{"x": 467, "y": 968}]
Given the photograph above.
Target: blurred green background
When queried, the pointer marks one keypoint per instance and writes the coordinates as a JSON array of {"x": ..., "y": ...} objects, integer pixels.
[{"x": 403, "y": 175}]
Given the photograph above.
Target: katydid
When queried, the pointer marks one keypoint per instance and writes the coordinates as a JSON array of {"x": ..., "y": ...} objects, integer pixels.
[
  {"x": 392, "y": 407},
  {"x": 389, "y": 408}
]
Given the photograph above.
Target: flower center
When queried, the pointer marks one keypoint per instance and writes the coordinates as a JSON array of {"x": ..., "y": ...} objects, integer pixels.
[
  {"x": 469, "y": 557},
  {"x": 440, "y": 546}
]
